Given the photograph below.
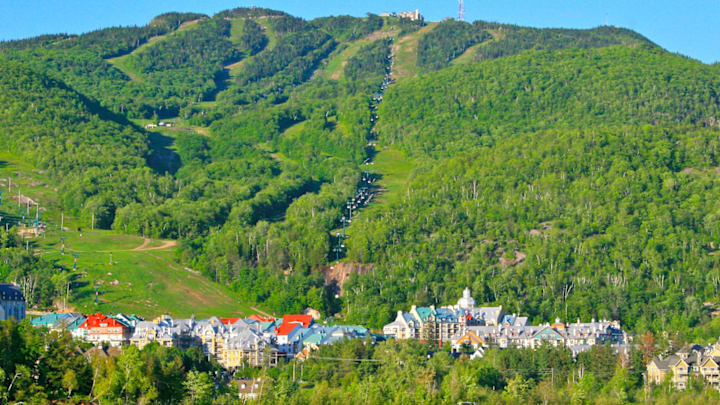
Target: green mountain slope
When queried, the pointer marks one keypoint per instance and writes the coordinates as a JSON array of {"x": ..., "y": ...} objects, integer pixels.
[
  {"x": 494, "y": 173},
  {"x": 465, "y": 106},
  {"x": 96, "y": 158},
  {"x": 610, "y": 222}
]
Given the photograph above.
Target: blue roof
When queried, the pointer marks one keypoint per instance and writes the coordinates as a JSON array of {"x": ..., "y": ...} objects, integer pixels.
[
  {"x": 72, "y": 324},
  {"x": 509, "y": 319},
  {"x": 360, "y": 330},
  {"x": 444, "y": 313}
]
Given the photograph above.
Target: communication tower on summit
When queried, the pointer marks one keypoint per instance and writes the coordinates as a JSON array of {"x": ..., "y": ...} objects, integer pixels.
[{"x": 461, "y": 10}]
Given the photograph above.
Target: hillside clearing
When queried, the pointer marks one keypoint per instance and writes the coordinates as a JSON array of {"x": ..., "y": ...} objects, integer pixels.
[
  {"x": 122, "y": 62},
  {"x": 337, "y": 61},
  {"x": 144, "y": 278},
  {"x": 405, "y": 52}
]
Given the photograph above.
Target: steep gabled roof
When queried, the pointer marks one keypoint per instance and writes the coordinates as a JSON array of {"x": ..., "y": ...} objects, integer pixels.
[
  {"x": 286, "y": 328},
  {"x": 229, "y": 321},
  {"x": 546, "y": 332},
  {"x": 95, "y": 320},
  {"x": 256, "y": 317},
  {"x": 425, "y": 312}
]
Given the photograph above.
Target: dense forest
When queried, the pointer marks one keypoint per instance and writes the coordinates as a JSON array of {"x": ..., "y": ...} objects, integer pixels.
[
  {"x": 556, "y": 172},
  {"x": 96, "y": 157},
  {"x": 465, "y": 106},
  {"x": 446, "y": 42}
]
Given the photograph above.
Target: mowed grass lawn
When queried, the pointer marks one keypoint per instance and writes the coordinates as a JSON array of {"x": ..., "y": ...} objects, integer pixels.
[{"x": 147, "y": 282}]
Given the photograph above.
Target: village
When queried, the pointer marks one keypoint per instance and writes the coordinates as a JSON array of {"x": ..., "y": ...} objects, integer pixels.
[{"x": 463, "y": 328}]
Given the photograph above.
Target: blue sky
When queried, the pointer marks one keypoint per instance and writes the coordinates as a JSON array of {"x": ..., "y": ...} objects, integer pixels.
[{"x": 689, "y": 27}]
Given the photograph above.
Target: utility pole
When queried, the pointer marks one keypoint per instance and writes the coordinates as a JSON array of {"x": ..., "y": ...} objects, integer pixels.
[
  {"x": 92, "y": 225},
  {"x": 62, "y": 221}
]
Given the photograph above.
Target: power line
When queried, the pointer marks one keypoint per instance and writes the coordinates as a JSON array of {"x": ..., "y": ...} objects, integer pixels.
[{"x": 539, "y": 371}]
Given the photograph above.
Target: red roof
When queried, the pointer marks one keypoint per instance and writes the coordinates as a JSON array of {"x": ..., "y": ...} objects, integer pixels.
[
  {"x": 286, "y": 328},
  {"x": 305, "y": 320},
  {"x": 94, "y": 321},
  {"x": 256, "y": 317},
  {"x": 229, "y": 321}
]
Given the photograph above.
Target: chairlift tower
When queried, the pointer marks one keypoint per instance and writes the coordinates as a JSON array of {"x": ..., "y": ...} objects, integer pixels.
[{"x": 461, "y": 10}]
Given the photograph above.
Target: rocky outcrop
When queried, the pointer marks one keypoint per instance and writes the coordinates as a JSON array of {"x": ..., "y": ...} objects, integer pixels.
[{"x": 337, "y": 274}]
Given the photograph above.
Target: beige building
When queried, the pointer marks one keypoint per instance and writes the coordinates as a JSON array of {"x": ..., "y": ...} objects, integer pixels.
[{"x": 692, "y": 361}]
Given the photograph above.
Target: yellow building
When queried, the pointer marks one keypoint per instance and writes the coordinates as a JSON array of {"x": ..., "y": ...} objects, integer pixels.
[{"x": 692, "y": 361}]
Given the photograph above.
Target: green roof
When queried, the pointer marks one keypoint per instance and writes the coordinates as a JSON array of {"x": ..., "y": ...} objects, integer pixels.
[
  {"x": 425, "y": 312},
  {"x": 48, "y": 320},
  {"x": 360, "y": 330},
  {"x": 315, "y": 338}
]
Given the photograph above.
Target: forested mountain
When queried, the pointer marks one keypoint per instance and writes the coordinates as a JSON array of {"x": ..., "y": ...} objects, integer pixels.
[
  {"x": 96, "y": 157},
  {"x": 469, "y": 105},
  {"x": 558, "y": 172}
]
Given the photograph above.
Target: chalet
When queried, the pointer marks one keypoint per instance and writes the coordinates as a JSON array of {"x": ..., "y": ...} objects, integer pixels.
[
  {"x": 442, "y": 324},
  {"x": 245, "y": 345},
  {"x": 550, "y": 335},
  {"x": 292, "y": 326},
  {"x": 405, "y": 326},
  {"x": 470, "y": 339},
  {"x": 130, "y": 320},
  {"x": 99, "y": 328},
  {"x": 211, "y": 335},
  {"x": 165, "y": 331},
  {"x": 692, "y": 361},
  {"x": 12, "y": 302}
]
